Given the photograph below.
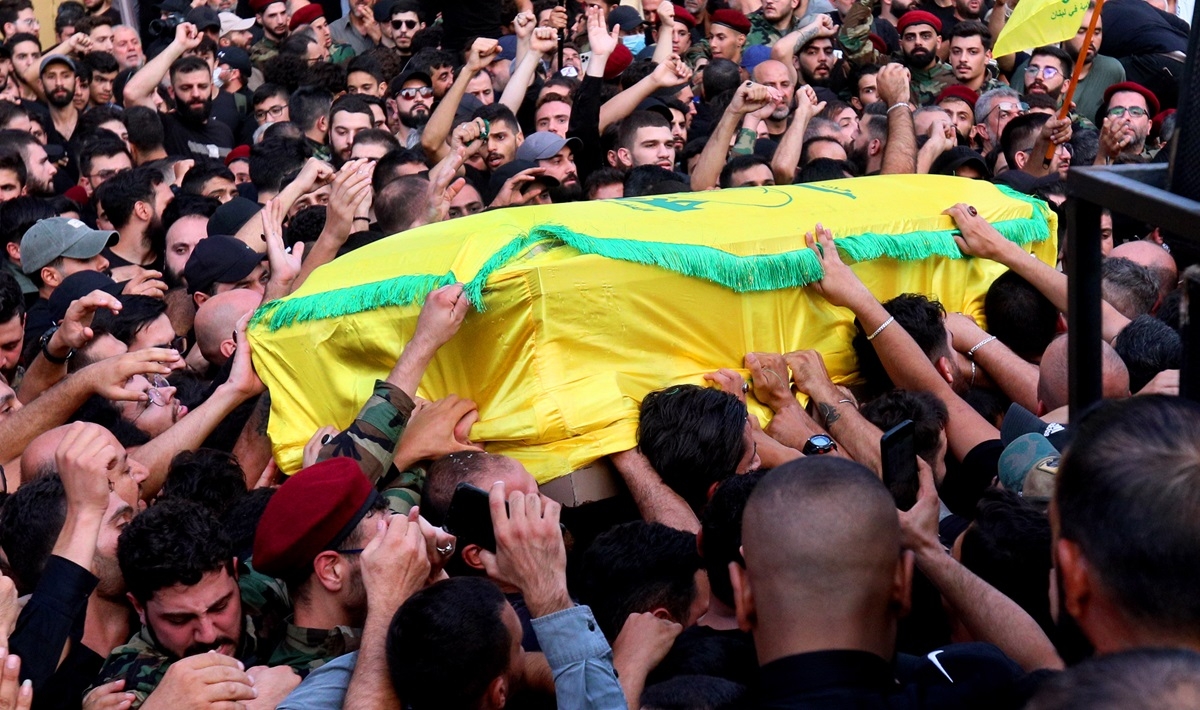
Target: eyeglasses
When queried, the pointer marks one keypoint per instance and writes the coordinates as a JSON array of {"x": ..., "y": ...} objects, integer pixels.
[
  {"x": 1010, "y": 107},
  {"x": 154, "y": 395},
  {"x": 1046, "y": 72},
  {"x": 103, "y": 175},
  {"x": 412, "y": 93},
  {"x": 273, "y": 112},
  {"x": 404, "y": 24},
  {"x": 178, "y": 344},
  {"x": 1135, "y": 111},
  {"x": 355, "y": 551}
]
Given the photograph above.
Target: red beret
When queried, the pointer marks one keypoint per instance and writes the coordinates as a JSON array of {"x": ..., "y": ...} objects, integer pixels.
[
  {"x": 242, "y": 152},
  {"x": 260, "y": 5},
  {"x": 1151, "y": 100},
  {"x": 618, "y": 62},
  {"x": 77, "y": 194},
  {"x": 918, "y": 17},
  {"x": 306, "y": 15},
  {"x": 732, "y": 19},
  {"x": 1155, "y": 125},
  {"x": 314, "y": 510},
  {"x": 878, "y": 43},
  {"x": 960, "y": 92},
  {"x": 685, "y": 17}
]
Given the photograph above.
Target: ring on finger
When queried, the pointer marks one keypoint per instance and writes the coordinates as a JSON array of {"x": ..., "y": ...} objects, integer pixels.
[{"x": 972, "y": 211}]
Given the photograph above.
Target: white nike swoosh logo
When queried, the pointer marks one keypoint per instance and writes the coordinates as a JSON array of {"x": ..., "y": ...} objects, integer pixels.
[{"x": 933, "y": 659}]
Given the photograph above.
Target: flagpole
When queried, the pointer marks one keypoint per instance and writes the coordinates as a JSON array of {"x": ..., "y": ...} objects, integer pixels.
[{"x": 1083, "y": 50}]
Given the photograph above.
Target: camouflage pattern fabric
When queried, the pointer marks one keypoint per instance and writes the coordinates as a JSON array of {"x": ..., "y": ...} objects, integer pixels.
[
  {"x": 764, "y": 32},
  {"x": 266, "y": 601},
  {"x": 263, "y": 50},
  {"x": 306, "y": 650},
  {"x": 928, "y": 83}
]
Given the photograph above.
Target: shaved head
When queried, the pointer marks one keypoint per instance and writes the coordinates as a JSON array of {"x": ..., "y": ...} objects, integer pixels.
[
  {"x": 477, "y": 468},
  {"x": 1154, "y": 257},
  {"x": 217, "y": 318},
  {"x": 821, "y": 541},
  {"x": 1053, "y": 385}
]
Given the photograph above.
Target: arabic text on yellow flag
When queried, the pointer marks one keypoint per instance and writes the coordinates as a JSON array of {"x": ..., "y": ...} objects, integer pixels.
[
  {"x": 583, "y": 308},
  {"x": 1035, "y": 23}
]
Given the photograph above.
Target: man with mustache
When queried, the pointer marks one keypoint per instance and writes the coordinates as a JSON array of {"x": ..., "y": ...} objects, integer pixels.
[
  {"x": 189, "y": 130},
  {"x": 971, "y": 55},
  {"x": 1048, "y": 72},
  {"x": 134, "y": 202},
  {"x": 919, "y": 42},
  {"x": 58, "y": 77},
  {"x": 411, "y": 103}
]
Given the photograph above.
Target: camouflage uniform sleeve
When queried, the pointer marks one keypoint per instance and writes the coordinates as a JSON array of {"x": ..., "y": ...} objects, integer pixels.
[
  {"x": 140, "y": 667},
  {"x": 762, "y": 32},
  {"x": 371, "y": 438},
  {"x": 854, "y": 35}
]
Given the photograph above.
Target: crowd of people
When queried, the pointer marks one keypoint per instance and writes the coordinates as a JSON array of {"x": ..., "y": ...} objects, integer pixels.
[{"x": 165, "y": 174}]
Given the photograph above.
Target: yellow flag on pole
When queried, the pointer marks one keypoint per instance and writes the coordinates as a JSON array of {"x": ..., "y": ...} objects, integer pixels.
[{"x": 1035, "y": 23}]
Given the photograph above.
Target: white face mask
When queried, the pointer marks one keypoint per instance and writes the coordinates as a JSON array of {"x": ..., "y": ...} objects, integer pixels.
[{"x": 217, "y": 80}]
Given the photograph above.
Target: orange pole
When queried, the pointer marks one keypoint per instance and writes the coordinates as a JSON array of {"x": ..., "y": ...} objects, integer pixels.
[{"x": 1083, "y": 50}]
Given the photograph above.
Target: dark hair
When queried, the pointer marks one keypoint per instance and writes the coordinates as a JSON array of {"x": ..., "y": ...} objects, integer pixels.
[
  {"x": 86, "y": 24},
  {"x": 101, "y": 62},
  {"x": 447, "y": 643},
  {"x": 497, "y": 113},
  {"x": 377, "y": 136},
  {"x": 700, "y": 650},
  {"x": 273, "y": 158},
  {"x": 241, "y": 520},
  {"x": 638, "y": 567},
  {"x": 30, "y": 521},
  {"x": 1008, "y": 546},
  {"x": 350, "y": 103},
  {"x": 928, "y": 414},
  {"x": 203, "y": 170},
  {"x": 145, "y": 128},
  {"x": 1134, "y": 516},
  {"x": 629, "y": 126},
  {"x": 1020, "y": 135},
  {"x": 266, "y": 91},
  {"x": 212, "y": 478},
  {"x": 975, "y": 28},
  {"x": 693, "y": 437},
  {"x": 186, "y": 65},
  {"x": 19, "y": 214},
  {"x": 10, "y": 10},
  {"x": 1058, "y": 53},
  {"x": 172, "y": 542},
  {"x": 922, "y": 317},
  {"x": 601, "y": 177},
  {"x": 1130, "y": 287},
  {"x": 12, "y": 160},
  {"x": 806, "y": 150},
  {"x": 822, "y": 169},
  {"x": 9, "y": 111},
  {"x": 12, "y": 301},
  {"x": 88, "y": 127},
  {"x": 1162, "y": 678},
  {"x": 688, "y": 692},
  {"x": 387, "y": 167},
  {"x": 721, "y": 531},
  {"x": 296, "y": 44},
  {"x": 137, "y": 312},
  {"x": 306, "y": 225},
  {"x": 738, "y": 164},
  {"x": 646, "y": 179},
  {"x": 401, "y": 203},
  {"x": 185, "y": 205},
  {"x": 120, "y": 193},
  {"x": 367, "y": 64},
  {"x": 1148, "y": 346},
  {"x": 720, "y": 76},
  {"x": 19, "y": 38},
  {"x": 307, "y": 104},
  {"x": 100, "y": 147},
  {"x": 286, "y": 70},
  {"x": 1020, "y": 316},
  {"x": 427, "y": 60},
  {"x": 1168, "y": 309}
]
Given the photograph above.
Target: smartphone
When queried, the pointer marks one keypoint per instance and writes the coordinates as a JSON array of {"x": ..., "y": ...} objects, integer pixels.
[
  {"x": 469, "y": 518},
  {"x": 899, "y": 459}
]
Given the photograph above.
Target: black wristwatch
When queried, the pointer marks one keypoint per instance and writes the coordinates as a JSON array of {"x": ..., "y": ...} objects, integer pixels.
[
  {"x": 45, "y": 343},
  {"x": 819, "y": 444}
]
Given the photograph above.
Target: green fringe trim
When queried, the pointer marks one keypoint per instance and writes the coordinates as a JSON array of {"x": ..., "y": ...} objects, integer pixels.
[{"x": 741, "y": 274}]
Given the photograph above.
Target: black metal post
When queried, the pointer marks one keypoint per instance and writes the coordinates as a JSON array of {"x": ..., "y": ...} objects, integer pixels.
[
  {"x": 1083, "y": 304},
  {"x": 1189, "y": 319}
]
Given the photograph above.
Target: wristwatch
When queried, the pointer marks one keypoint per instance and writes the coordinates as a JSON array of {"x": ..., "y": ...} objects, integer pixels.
[
  {"x": 45, "y": 343},
  {"x": 819, "y": 444}
]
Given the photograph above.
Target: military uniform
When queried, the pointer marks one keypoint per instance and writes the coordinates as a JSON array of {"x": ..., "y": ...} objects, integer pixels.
[
  {"x": 263, "y": 50},
  {"x": 764, "y": 32},
  {"x": 341, "y": 53},
  {"x": 306, "y": 650},
  {"x": 928, "y": 83},
  {"x": 266, "y": 601},
  {"x": 142, "y": 663}
]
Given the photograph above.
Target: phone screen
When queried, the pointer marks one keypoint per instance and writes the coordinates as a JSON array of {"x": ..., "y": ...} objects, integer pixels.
[
  {"x": 469, "y": 518},
  {"x": 899, "y": 458}
]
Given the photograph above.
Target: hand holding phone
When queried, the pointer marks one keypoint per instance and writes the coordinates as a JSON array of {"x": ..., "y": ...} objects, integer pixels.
[{"x": 899, "y": 458}]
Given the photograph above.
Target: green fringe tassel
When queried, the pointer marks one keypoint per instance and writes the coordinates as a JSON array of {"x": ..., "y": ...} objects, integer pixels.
[{"x": 741, "y": 274}]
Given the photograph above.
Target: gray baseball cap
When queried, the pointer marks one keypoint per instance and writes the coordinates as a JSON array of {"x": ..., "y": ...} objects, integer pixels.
[
  {"x": 56, "y": 237},
  {"x": 544, "y": 145}
]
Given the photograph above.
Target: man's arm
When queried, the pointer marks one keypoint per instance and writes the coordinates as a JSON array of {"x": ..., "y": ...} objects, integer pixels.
[
  {"x": 900, "y": 153},
  {"x": 747, "y": 100},
  {"x": 75, "y": 332},
  {"x": 1015, "y": 377},
  {"x": 986, "y": 614},
  {"x": 858, "y": 437},
  {"x": 441, "y": 121},
  {"x": 543, "y": 41},
  {"x": 979, "y": 238},
  {"x": 655, "y": 500},
  {"x": 787, "y": 155},
  {"x": 351, "y": 189},
  {"x": 144, "y": 83},
  {"x": 672, "y": 72},
  {"x": 788, "y": 46},
  {"x": 1054, "y": 132}
]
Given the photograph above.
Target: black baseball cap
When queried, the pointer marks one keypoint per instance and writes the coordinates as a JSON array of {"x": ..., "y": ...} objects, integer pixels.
[
  {"x": 231, "y": 216},
  {"x": 75, "y": 287},
  {"x": 505, "y": 172},
  {"x": 219, "y": 259}
]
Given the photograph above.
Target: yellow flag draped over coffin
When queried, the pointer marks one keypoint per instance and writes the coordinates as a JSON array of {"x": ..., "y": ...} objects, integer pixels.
[{"x": 588, "y": 306}]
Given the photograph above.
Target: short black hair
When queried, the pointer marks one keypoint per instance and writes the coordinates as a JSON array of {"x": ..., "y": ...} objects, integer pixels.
[
  {"x": 241, "y": 520},
  {"x": 602, "y": 177},
  {"x": 137, "y": 312},
  {"x": 806, "y": 150},
  {"x": 172, "y": 542},
  {"x": 212, "y": 478},
  {"x": 274, "y": 158},
  {"x": 1134, "y": 516},
  {"x": 1008, "y": 546},
  {"x": 88, "y": 126},
  {"x": 649, "y": 180},
  {"x": 377, "y": 136},
  {"x": 637, "y": 567},
  {"x": 738, "y": 164},
  {"x": 700, "y": 650},
  {"x": 387, "y": 167},
  {"x": 19, "y": 214},
  {"x": 721, "y": 531},
  {"x": 1020, "y": 316},
  {"x": 922, "y": 317},
  {"x": 1058, "y": 53},
  {"x": 427, "y": 60},
  {"x": 693, "y": 437},
  {"x": 203, "y": 170},
  {"x": 1020, "y": 135},
  {"x": 266, "y": 91},
  {"x": 367, "y": 64},
  {"x": 185, "y": 205},
  {"x": 720, "y": 76},
  {"x": 823, "y": 169},
  {"x": 447, "y": 643},
  {"x": 10, "y": 10},
  {"x": 629, "y": 126},
  {"x": 974, "y": 28},
  {"x": 145, "y": 128},
  {"x": 307, "y": 104},
  {"x": 497, "y": 113},
  {"x": 9, "y": 111},
  {"x": 928, "y": 414},
  {"x": 120, "y": 193},
  {"x": 12, "y": 301},
  {"x": 187, "y": 65},
  {"x": 101, "y": 62},
  {"x": 1148, "y": 346},
  {"x": 12, "y": 160},
  {"x": 694, "y": 691},
  {"x": 401, "y": 203},
  {"x": 1165, "y": 678},
  {"x": 306, "y": 225},
  {"x": 30, "y": 521},
  {"x": 100, "y": 147},
  {"x": 350, "y": 103}
]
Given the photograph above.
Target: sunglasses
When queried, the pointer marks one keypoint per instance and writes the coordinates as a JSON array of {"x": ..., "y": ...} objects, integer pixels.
[
  {"x": 1135, "y": 111},
  {"x": 404, "y": 24},
  {"x": 1046, "y": 72},
  {"x": 412, "y": 93}
]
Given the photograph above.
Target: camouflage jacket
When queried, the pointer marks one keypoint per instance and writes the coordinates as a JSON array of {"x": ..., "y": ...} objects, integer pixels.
[
  {"x": 371, "y": 441},
  {"x": 265, "y": 600},
  {"x": 928, "y": 83},
  {"x": 142, "y": 663},
  {"x": 306, "y": 650},
  {"x": 263, "y": 50},
  {"x": 763, "y": 31}
]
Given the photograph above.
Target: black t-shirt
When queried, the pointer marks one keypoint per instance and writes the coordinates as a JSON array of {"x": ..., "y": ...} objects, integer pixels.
[
  {"x": 115, "y": 261},
  {"x": 965, "y": 482},
  {"x": 464, "y": 19},
  {"x": 213, "y": 139},
  {"x": 1144, "y": 29}
]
